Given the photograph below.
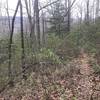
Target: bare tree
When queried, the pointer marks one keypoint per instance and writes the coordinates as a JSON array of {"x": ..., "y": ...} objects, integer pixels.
[
  {"x": 37, "y": 21},
  {"x": 43, "y": 28},
  {"x": 7, "y": 10},
  {"x": 29, "y": 17},
  {"x": 87, "y": 16},
  {"x": 69, "y": 5},
  {"x": 69, "y": 15},
  {"x": 93, "y": 11},
  {"x": 22, "y": 41},
  {"x": 31, "y": 25},
  {"x": 97, "y": 9},
  {"x": 80, "y": 11},
  {"x": 10, "y": 44}
]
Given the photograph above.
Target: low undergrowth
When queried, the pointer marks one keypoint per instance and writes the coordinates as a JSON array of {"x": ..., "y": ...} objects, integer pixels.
[{"x": 65, "y": 82}]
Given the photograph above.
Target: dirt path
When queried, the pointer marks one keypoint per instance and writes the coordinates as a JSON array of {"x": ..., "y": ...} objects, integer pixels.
[
  {"x": 85, "y": 68},
  {"x": 85, "y": 83}
]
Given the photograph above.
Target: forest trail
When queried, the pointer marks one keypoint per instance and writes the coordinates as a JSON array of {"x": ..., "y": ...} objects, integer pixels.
[
  {"x": 88, "y": 81},
  {"x": 85, "y": 67}
]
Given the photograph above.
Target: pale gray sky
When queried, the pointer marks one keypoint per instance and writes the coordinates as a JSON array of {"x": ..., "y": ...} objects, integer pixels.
[{"x": 12, "y": 5}]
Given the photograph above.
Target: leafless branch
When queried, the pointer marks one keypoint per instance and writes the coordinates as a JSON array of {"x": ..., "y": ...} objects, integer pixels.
[{"x": 48, "y": 5}]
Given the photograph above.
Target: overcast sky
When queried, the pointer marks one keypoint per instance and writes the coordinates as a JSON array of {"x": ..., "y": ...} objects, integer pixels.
[{"x": 12, "y": 5}]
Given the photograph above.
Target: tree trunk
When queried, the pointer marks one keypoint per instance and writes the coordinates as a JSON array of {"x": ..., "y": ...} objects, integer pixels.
[
  {"x": 10, "y": 45},
  {"x": 69, "y": 15},
  {"x": 36, "y": 10},
  {"x": 87, "y": 12},
  {"x": 43, "y": 28},
  {"x": 22, "y": 41},
  {"x": 9, "y": 24},
  {"x": 31, "y": 26},
  {"x": 97, "y": 10}
]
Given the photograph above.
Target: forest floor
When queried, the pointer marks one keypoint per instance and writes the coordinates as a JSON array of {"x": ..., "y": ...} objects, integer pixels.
[{"x": 74, "y": 81}]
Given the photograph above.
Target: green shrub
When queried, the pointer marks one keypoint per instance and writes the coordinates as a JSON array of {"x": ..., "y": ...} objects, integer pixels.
[
  {"x": 46, "y": 55},
  {"x": 53, "y": 41}
]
